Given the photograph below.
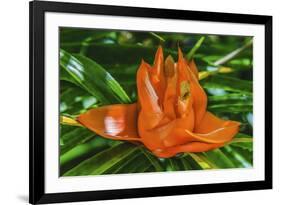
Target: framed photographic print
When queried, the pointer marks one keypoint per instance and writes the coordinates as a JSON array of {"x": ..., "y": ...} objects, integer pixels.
[{"x": 140, "y": 102}]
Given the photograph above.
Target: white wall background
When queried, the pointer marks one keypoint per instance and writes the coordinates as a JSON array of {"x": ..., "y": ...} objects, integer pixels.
[{"x": 14, "y": 100}]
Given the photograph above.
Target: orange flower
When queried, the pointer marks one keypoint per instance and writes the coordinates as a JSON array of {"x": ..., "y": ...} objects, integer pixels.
[{"x": 170, "y": 116}]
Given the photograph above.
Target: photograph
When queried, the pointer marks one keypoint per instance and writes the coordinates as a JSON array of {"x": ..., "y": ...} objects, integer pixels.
[
  {"x": 148, "y": 101},
  {"x": 132, "y": 102}
]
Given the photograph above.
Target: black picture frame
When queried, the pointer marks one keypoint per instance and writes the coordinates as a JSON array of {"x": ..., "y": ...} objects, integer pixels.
[{"x": 37, "y": 101}]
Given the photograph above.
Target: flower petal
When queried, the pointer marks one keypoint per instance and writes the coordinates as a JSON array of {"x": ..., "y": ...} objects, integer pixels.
[
  {"x": 215, "y": 130},
  {"x": 189, "y": 147},
  {"x": 147, "y": 98},
  {"x": 157, "y": 75},
  {"x": 117, "y": 122},
  {"x": 211, "y": 130},
  {"x": 197, "y": 92},
  {"x": 178, "y": 135},
  {"x": 193, "y": 68},
  {"x": 170, "y": 96},
  {"x": 184, "y": 102},
  {"x": 153, "y": 138}
]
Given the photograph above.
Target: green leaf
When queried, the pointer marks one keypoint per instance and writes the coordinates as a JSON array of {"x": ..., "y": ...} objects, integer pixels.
[
  {"x": 230, "y": 154},
  {"x": 242, "y": 135},
  {"x": 78, "y": 143},
  {"x": 71, "y": 35},
  {"x": 243, "y": 141},
  {"x": 93, "y": 78},
  {"x": 241, "y": 64},
  {"x": 74, "y": 99},
  {"x": 80, "y": 152},
  {"x": 218, "y": 158},
  {"x": 73, "y": 136},
  {"x": 187, "y": 161},
  {"x": 230, "y": 98},
  {"x": 243, "y": 156},
  {"x": 232, "y": 108},
  {"x": 233, "y": 103},
  {"x": 228, "y": 84},
  {"x": 123, "y": 165},
  {"x": 203, "y": 161},
  {"x": 138, "y": 164},
  {"x": 112, "y": 54},
  {"x": 173, "y": 164},
  {"x": 226, "y": 48},
  {"x": 103, "y": 161},
  {"x": 66, "y": 77},
  {"x": 153, "y": 160},
  {"x": 232, "y": 54}
]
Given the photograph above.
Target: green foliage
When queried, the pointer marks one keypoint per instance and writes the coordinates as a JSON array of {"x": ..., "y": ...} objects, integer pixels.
[
  {"x": 92, "y": 77},
  {"x": 98, "y": 67}
]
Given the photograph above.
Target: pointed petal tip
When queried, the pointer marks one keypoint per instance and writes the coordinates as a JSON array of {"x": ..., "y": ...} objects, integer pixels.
[
  {"x": 159, "y": 56},
  {"x": 170, "y": 58},
  {"x": 180, "y": 54},
  {"x": 160, "y": 48},
  {"x": 144, "y": 64},
  {"x": 169, "y": 69}
]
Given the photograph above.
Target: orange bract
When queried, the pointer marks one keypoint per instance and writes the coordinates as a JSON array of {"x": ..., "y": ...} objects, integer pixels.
[{"x": 171, "y": 115}]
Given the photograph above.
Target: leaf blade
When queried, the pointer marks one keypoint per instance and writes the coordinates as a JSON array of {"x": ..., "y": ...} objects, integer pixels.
[
  {"x": 100, "y": 163},
  {"x": 93, "y": 78}
]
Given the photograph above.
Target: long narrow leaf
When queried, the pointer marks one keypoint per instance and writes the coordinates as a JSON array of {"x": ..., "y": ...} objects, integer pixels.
[
  {"x": 93, "y": 78},
  {"x": 218, "y": 158},
  {"x": 104, "y": 160},
  {"x": 153, "y": 160},
  {"x": 233, "y": 54},
  {"x": 228, "y": 84}
]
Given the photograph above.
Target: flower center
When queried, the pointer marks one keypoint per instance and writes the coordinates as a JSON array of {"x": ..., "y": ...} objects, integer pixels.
[{"x": 184, "y": 90}]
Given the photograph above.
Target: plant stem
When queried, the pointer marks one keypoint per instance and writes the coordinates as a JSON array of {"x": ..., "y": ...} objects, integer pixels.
[
  {"x": 157, "y": 36},
  {"x": 195, "y": 48},
  {"x": 232, "y": 54}
]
